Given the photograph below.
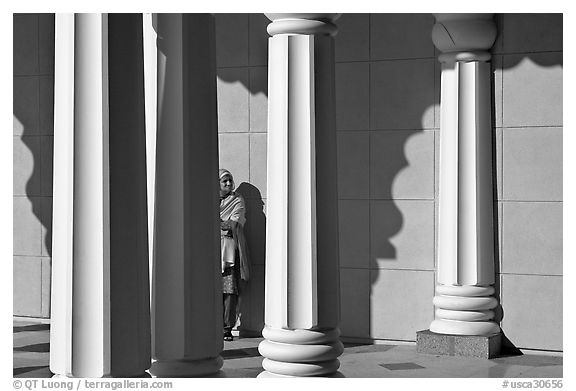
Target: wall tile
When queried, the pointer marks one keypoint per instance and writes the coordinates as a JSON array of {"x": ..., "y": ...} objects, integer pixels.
[
  {"x": 17, "y": 126},
  {"x": 353, "y": 164},
  {"x": 402, "y": 165},
  {"x": 353, "y": 96},
  {"x": 532, "y": 238},
  {"x": 352, "y": 43},
  {"x": 497, "y": 71},
  {"x": 46, "y": 281},
  {"x": 45, "y": 217},
  {"x": 500, "y": 237},
  {"x": 258, "y": 48},
  {"x": 354, "y": 233},
  {"x": 25, "y": 45},
  {"x": 402, "y": 234},
  {"x": 532, "y": 90},
  {"x": 26, "y": 105},
  {"x": 27, "y": 228},
  {"x": 436, "y": 209},
  {"x": 27, "y": 163},
  {"x": 257, "y": 298},
  {"x": 532, "y": 164},
  {"x": 402, "y": 94},
  {"x": 234, "y": 155},
  {"x": 231, "y": 40},
  {"x": 393, "y": 292},
  {"x": 27, "y": 286},
  {"x": 437, "y": 91},
  {"x": 258, "y": 99},
  {"x": 499, "y": 155},
  {"x": 532, "y": 32},
  {"x": 245, "y": 310},
  {"x": 256, "y": 231},
  {"x": 46, "y": 44},
  {"x": 46, "y": 164},
  {"x": 258, "y": 160},
  {"x": 355, "y": 303},
  {"x": 532, "y": 308},
  {"x": 436, "y": 163},
  {"x": 46, "y": 105},
  {"x": 401, "y": 36},
  {"x": 233, "y": 96}
]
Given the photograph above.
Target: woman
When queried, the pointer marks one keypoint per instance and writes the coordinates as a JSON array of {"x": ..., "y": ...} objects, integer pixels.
[{"x": 234, "y": 258}]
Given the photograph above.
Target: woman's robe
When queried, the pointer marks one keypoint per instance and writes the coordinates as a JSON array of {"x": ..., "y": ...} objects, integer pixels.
[{"x": 233, "y": 208}]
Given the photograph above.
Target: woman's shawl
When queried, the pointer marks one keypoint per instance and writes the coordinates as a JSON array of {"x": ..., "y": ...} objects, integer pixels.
[{"x": 233, "y": 208}]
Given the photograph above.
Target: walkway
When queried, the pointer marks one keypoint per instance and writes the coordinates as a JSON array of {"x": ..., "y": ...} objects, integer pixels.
[{"x": 242, "y": 360}]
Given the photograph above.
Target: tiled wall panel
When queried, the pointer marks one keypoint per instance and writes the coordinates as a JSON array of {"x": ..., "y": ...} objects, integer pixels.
[{"x": 388, "y": 123}]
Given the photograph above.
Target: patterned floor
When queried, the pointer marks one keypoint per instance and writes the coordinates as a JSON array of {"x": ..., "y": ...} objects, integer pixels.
[{"x": 242, "y": 360}]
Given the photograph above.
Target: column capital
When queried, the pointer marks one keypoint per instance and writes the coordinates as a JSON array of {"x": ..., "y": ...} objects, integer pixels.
[
  {"x": 464, "y": 37},
  {"x": 304, "y": 24}
]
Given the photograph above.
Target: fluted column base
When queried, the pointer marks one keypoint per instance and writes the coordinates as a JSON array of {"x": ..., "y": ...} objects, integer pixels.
[
  {"x": 300, "y": 353},
  {"x": 465, "y": 310},
  {"x": 186, "y": 368}
]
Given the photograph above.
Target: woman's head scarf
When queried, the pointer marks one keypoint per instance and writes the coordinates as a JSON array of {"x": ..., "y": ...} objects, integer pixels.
[{"x": 224, "y": 172}]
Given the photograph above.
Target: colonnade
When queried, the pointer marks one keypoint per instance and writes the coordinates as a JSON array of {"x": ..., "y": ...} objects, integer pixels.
[{"x": 103, "y": 322}]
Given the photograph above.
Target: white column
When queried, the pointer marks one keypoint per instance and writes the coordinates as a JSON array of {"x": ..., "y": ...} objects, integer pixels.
[
  {"x": 302, "y": 277},
  {"x": 465, "y": 277},
  {"x": 186, "y": 288},
  {"x": 100, "y": 320}
]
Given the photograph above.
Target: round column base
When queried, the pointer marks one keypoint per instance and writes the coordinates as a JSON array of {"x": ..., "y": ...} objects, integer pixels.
[
  {"x": 300, "y": 353},
  {"x": 185, "y": 368},
  {"x": 465, "y": 310},
  {"x": 290, "y": 369},
  {"x": 458, "y": 327},
  {"x": 269, "y": 375}
]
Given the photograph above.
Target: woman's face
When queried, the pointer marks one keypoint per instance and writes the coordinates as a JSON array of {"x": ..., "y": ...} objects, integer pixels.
[{"x": 226, "y": 185}]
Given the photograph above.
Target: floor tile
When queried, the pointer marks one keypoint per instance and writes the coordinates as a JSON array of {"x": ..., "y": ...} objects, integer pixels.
[{"x": 380, "y": 360}]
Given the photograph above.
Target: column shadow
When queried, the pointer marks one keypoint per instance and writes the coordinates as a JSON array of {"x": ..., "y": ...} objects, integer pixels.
[
  {"x": 33, "y": 110},
  {"x": 252, "y": 292}
]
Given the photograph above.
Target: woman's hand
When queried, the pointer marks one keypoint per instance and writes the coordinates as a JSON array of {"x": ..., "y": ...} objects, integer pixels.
[{"x": 225, "y": 225}]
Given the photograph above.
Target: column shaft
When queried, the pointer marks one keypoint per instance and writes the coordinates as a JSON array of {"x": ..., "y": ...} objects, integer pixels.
[
  {"x": 465, "y": 237},
  {"x": 187, "y": 287},
  {"x": 100, "y": 311},
  {"x": 302, "y": 302}
]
